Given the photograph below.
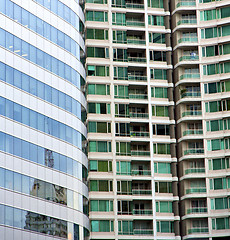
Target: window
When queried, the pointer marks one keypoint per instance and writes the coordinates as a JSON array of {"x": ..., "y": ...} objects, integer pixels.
[
  {"x": 160, "y": 129},
  {"x": 99, "y": 34},
  {"x": 165, "y": 226},
  {"x": 216, "y": 125},
  {"x": 219, "y": 163},
  {"x": 219, "y": 203},
  {"x": 219, "y": 183},
  {"x": 100, "y": 71},
  {"x": 121, "y": 110},
  {"x": 119, "y": 19},
  {"x": 97, "y": 1},
  {"x": 121, "y": 91},
  {"x": 220, "y": 223},
  {"x": 159, "y": 56},
  {"x": 123, "y": 168},
  {"x": 101, "y": 185},
  {"x": 163, "y": 187},
  {"x": 99, "y": 127},
  {"x": 122, "y": 129},
  {"x": 120, "y": 73},
  {"x": 164, "y": 207},
  {"x": 99, "y": 146},
  {"x": 209, "y": 33},
  {"x": 119, "y": 36},
  {"x": 156, "y": 3},
  {"x": 97, "y": 16},
  {"x": 161, "y": 148},
  {"x": 100, "y": 166},
  {"x": 102, "y": 226},
  {"x": 211, "y": 51},
  {"x": 159, "y": 74},
  {"x": 157, "y": 38},
  {"x": 217, "y": 144},
  {"x": 162, "y": 168},
  {"x": 123, "y": 148},
  {"x": 124, "y": 187},
  {"x": 99, "y": 108},
  {"x": 214, "y": 87},
  {"x": 156, "y": 20},
  {"x": 159, "y": 92},
  {"x": 160, "y": 111},
  {"x": 97, "y": 52},
  {"x": 101, "y": 206},
  {"x": 120, "y": 55},
  {"x": 125, "y": 227},
  {"x": 98, "y": 89}
]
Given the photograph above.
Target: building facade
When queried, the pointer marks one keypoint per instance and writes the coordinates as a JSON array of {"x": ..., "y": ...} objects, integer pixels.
[
  {"x": 43, "y": 162},
  {"x": 132, "y": 157},
  {"x": 152, "y": 67}
]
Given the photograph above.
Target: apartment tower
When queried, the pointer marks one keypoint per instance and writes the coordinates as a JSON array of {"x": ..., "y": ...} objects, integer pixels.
[
  {"x": 132, "y": 156},
  {"x": 43, "y": 163}
]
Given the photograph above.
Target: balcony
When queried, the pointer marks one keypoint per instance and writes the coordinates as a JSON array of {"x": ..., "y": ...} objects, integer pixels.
[
  {"x": 142, "y": 212},
  {"x": 134, "y": 5},
  {"x": 135, "y": 23},
  {"x": 194, "y": 151},
  {"x": 194, "y": 170},
  {"x": 189, "y": 58},
  {"x": 141, "y": 191},
  {"x": 137, "y": 59},
  {"x": 139, "y": 134},
  {"x": 138, "y": 115},
  {"x": 198, "y": 230},
  {"x": 186, "y": 3},
  {"x": 138, "y": 232},
  {"x": 197, "y": 210},
  {"x": 196, "y": 190},
  {"x": 140, "y": 153},
  {"x": 192, "y": 113},
  {"x": 190, "y": 76},
  {"x": 137, "y": 78},
  {"x": 190, "y": 94},
  {"x": 193, "y": 132},
  {"x": 136, "y": 41},
  {"x": 138, "y": 96},
  {"x": 137, "y": 172},
  {"x": 187, "y": 21},
  {"x": 188, "y": 40}
]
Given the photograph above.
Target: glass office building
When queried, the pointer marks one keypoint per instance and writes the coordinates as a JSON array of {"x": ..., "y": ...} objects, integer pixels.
[{"x": 43, "y": 162}]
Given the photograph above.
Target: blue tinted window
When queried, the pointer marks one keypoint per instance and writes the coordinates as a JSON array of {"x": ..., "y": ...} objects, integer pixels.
[
  {"x": 3, "y": 7},
  {"x": 25, "y": 50},
  {"x": 33, "y": 153},
  {"x": 17, "y": 147},
  {"x": 9, "y": 42},
  {"x": 17, "y": 218},
  {"x": 2, "y": 176},
  {"x": 9, "y": 216},
  {"x": 9, "y": 109},
  {"x": 25, "y": 184},
  {"x": 17, "y": 79},
  {"x": 17, "y": 182},
  {"x": 10, "y": 9},
  {"x": 17, "y": 112},
  {"x": 9, "y": 179},
  {"x": 25, "y": 18},
  {"x": 26, "y": 116},
  {"x": 25, "y": 83},
  {"x": 17, "y": 13},
  {"x": 2, "y": 106},
  {"x": 47, "y": 4},
  {"x": 2, "y": 69},
  {"x": 54, "y": 6},
  {"x": 25, "y": 150},
  {"x": 39, "y": 26},
  {"x": 32, "y": 22},
  {"x": 2, "y": 38}
]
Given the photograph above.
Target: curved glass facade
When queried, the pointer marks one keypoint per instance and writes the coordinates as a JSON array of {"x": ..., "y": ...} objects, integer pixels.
[{"x": 43, "y": 165}]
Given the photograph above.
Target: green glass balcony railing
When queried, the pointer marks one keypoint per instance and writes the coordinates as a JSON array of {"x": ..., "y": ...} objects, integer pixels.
[
  {"x": 138, "y": 96},
  {"x": 198, "y": 230},
  {"x": 190, "y": 75},
  {"x": 142, "y": 211},
  {"x": 194, "y": 170},
  {"x": 136, "y": 41},
  {"x": 189, "y": 58},
  {"x": 135, "y": 5},
  {"x": 138, "y": 115},
  {"x": 196, "y": 190},
  {"x": 122, "y": 115},
  {"x": 188, "y": 40},
  {"x": 119, "y": 23},
  {"x": 186, "y": 3},
  {"x": 141, "y": 192},
  {"x": 137, "y": 78},
  {"x": 192, "y": 113},
  {"x": 135, "y": 23},
  {"x": 187, "y": 21},
  {"x": 194, "y": 151},
  {"x": 197, "y": 210},
  {"x": 140, "y": 153},
  {"x": 137, "y": 59},
  {"x": 137, "y": 232},
  {"x": 139, "y": 134},
  {"x": 193, "y": 132},
  {"x": 190, "y": 94},
  {"x": 137, "y": 172}
]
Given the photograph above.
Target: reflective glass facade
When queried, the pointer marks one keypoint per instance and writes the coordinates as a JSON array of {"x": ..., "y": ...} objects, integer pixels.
[{"x": 43, "y": 161}]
